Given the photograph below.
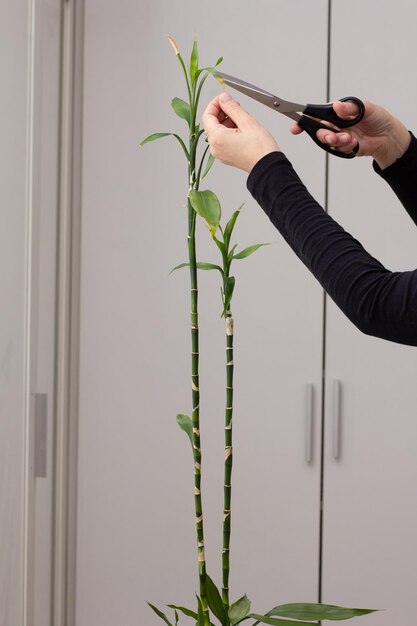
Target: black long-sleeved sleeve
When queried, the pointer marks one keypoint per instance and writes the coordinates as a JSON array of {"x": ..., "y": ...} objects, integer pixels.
[{"x": 379, "y": 302}]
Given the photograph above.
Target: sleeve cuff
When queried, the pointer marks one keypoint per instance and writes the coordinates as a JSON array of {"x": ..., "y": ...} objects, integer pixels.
[
  {"x": 261, "y": 166},
  {"x": 407, "y": 161}
]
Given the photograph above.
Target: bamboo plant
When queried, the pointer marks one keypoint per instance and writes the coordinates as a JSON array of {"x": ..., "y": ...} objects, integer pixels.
[{"x": 211, "y": 602}]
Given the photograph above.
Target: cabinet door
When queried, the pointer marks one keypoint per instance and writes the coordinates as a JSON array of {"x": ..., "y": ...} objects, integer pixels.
[
  {"x": 370, "y": 508},
  {"x": 43, "y": 229},
  {"x": 136, "y": 538},
  {"x": 29, "y": 123},
  {"x": 13, "y": 123}
]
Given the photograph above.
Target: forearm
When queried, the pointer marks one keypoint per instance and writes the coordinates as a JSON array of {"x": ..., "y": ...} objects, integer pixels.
[{"x": 377, "y": 301}]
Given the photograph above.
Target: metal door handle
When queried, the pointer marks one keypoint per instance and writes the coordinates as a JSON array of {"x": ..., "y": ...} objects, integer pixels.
[
  {"x": 40, "y": 430},
  {"x": 308, "y": 453},
  {"x": 336, "y": 419}
]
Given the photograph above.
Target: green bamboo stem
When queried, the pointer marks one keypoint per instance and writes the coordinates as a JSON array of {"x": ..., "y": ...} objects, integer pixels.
[
  {"x": 228, "y": 463},
  {"x": 195, "y": 384}
]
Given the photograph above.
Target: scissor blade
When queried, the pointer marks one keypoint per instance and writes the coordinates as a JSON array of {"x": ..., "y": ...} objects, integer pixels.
[
  {"x": 262, "y": 96},
  {"x": 265, "y": 97}
]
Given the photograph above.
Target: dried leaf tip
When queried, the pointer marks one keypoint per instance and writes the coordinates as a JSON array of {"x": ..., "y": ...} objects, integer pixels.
[{"x": 173, "y": 44}]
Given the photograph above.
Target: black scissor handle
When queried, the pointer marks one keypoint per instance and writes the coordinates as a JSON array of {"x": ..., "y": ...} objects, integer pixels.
[
  {"x": 326, "y": 112},
  {"x": 312, "y": 126}
]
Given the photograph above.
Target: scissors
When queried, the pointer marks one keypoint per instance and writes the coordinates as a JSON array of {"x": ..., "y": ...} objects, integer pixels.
[{"x": 301, "y": 112}]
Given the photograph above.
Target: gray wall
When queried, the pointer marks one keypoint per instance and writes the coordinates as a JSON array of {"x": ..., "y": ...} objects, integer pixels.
[
  {"x": 135, "y": 533},
  {"x": 135, "y": 516}
]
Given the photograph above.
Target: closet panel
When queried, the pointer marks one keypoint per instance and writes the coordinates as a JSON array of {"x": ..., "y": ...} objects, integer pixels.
[
  {"x": 370, "y": 507},
  {"x": 44, "y": 185},
  {"x": 29, "y": 127},
  {"x": 136, "y": 539},
  {"x": 13, "y": 232}
]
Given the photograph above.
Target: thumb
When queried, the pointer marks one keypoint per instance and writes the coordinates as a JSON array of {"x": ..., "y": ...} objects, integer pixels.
[
  {"x": 346, "y": 110},
  {"x": 234, "y": 111}
]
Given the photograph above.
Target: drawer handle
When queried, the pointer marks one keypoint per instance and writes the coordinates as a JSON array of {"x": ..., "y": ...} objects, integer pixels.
[
  {"x": 308, "y": 452},
  {"x": 336, "y": 419}
]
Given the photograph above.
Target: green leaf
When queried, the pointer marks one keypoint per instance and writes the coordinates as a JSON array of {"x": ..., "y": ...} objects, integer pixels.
[
  {"x": 239, "y": 609},
  {"x": 219, "y": 60},
  {"x": 248, "y": 251},
  {"x": 317, "y": 612},
  {"x": 182, "y": 109},
  {"x": 209, "y": 266},
  {"x": 216, "y": 75},
  {"x": 153, "y": 137},
  {"x": 177, "y": 618},
  {"x": 230, "y": 226},
  {"x": 207, "y": 205},
  {"x": 228, "y": 294},
  {"x": 215, "y": 602},
  {"x": 178, "y": 267},
  {"x": 220, "y": 245},
  {"x": 185, "y": 423},
  {"x": 184, "y": 610},
  {"x": 159, "y": 135},
  {"x": 230, "y": 257},
  {"x": 160, "y": 614},
  {"x": 209, "y": 165},
  {"x": 212, "y": 70},
  {"x": 194, "y": 62},
  {"x": 200, "y": 266},
  {"x": 181, "y": 60},
  {"x": 279, "y": 622}
]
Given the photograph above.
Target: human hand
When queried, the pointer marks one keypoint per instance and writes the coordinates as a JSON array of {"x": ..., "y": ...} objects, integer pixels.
[
  {"x": 380, "y": 134},
  {"x": 235, "y": 137}
]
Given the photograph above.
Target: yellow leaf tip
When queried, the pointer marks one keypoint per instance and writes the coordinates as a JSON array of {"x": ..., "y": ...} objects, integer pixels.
[{"x": 173, "y": 44}]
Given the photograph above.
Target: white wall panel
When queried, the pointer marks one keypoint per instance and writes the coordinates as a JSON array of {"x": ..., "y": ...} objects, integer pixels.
[{"x": 135, "y": 508}]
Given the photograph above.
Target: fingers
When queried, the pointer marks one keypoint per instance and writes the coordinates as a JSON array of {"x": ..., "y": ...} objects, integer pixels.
[
  {"x": 225, "y": 120},
  {"x": 212, "y": 116},
  {"x": 225, "y": 111},
  {"x": 346, "y": 110},
  {"x": 234, "y": 111},
  {"x": 296, "y": 129},
  {"x": 344, "y": 141}
]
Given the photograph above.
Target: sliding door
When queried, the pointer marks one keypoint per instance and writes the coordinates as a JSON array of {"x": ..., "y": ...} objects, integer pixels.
[
  {"x": 370, "y": 504},
  {"x": 135, "y": 508},
  {"x": 29, "y": 120}
]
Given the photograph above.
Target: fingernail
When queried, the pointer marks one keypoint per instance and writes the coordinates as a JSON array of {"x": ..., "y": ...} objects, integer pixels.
[
  {"x": 328, "y": 139},
  {"x": 224, "y": 97}
]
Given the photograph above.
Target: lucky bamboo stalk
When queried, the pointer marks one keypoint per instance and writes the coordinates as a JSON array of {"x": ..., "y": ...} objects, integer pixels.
[
  {"x": 228, "y": 255},
  {"x": 228, "y": 427},
  {"x": 195, "y": 134},
  {"x": 194, "y": 78},
  {"x": 195, "y": 386},
  {"x": 228, "y": 460},
  {"x": 206, "y": 204}
]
